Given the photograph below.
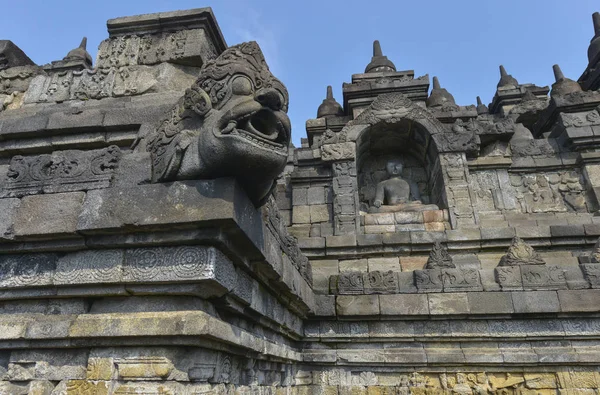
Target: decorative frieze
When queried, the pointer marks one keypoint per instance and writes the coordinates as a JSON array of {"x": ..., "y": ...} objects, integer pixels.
[
  {"x": 61, "y": 171},
  {"x": 107, "y": 82}
]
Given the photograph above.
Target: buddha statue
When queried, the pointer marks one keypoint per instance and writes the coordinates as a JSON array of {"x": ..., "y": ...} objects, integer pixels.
[{"x": 397, "y": 194}]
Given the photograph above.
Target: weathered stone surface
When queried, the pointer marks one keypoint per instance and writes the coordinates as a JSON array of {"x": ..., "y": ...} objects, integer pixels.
[
  {"x": 488, "y": 302},
  {"x": 222, "y": 138},
  {"x": 63, "y": 171},
  {"x": 520, "y": 253},
  {"x": 141, "y": 286},
  {"x": 340, "y": 151},
  {"x": 357, "y": 305},
  {"x": 404, "y": 304},
  {"x": 52, "y": 214},
  {"x": 439, "y": 257},
  {"x": 448, "y": 303},
  {"x": 8, "y": 211},
  {"x": 535, "y": 302},
  {"x": 180, "y": 202}
]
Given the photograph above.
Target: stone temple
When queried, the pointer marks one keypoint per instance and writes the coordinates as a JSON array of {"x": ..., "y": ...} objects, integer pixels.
[{"x": 159, "y": 235}]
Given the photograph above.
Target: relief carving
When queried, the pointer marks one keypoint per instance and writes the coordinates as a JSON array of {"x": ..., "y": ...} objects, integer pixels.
[
  {"x": 550, "y": 192},
  {"x": 520, "y": 253},
  {"x": 377, "y": 282},
  {"x": 338, "y": 151},
  {"x": 231, "y": 122},
  {"x": 284, "y": 240},
  {"x": 61, "y": 171},
  {"x": 169, "y": 263},
  {"x": 439, "y": 257},
  {"x": 344, "y": 187},
  {"x": 350, "y": 283}
]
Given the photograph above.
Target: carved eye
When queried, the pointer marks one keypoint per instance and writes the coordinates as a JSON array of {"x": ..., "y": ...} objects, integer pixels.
[{"x": 242, "y": 86}]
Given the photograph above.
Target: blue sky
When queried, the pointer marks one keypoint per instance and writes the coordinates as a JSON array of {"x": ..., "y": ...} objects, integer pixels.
[{"x": 310, "y": 44}]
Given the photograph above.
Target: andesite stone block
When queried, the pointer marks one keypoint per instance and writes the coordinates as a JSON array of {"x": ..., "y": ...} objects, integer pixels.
[
  {"x": 535, "y": 302},
  {"x": 8, "y": 212},
  {"x": 50, "y": 214},
  {"x": 490, "y": 303},
  {"x": 404, "y": 304},
  {"x": 448, "y": 303},
  {"x": 579, "y": 300},
  {"x": 357, "y": 305}
]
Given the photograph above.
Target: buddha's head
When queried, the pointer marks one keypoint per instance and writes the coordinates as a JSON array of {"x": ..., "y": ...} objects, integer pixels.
[{"x": 394, "y": 167}]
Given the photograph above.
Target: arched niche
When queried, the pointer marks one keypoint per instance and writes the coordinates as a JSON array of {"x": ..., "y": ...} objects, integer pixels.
[{"x": 403, "y": 139}]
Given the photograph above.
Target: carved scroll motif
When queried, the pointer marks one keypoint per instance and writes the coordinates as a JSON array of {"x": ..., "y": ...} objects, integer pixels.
[{"x": 61, "y": 171}]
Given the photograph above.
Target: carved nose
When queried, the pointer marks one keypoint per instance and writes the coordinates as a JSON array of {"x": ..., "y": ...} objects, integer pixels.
[{"x": 269, "y": 98}]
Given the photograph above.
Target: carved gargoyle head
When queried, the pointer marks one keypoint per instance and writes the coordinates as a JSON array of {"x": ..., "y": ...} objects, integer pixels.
[{"x": 231, "y": 123}]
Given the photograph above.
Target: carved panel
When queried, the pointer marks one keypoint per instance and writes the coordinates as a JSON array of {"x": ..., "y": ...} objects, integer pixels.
[
  {"x": 62, "y": 171},
  {"x": 377, "y": 282},
  {"x": 100, "y": 83},
  {"x": 344, "y": 202},
  {"x": 457, "y": 192},
  {"x": 339, "y": 151},
  {"x": 350, "y": 283},
  {"x": 27, "y": 270},
  {"x": 284, "y": 240},
  {"x": 170, "y": 264},
  {"x": 99, "y": 266},
  {"x": 509, "y": 277},
  {"x": 182, "y": 46},
  {"x": 461, "y": 280},
  {"x": 591, "y": 272},
  {"x": 17, "y": 79},
  {"x": 429, "y": 280},
  {"x": 543, "y": 277},
  {"x": 550, "y": 192}
]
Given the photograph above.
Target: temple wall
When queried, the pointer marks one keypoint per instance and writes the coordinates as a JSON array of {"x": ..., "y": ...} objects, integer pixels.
[{"x": 136, "y": 259}]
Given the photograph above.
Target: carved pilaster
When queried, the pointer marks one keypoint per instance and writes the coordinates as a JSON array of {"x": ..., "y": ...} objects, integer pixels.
[
  {"x": 457, "y": 195},
  {"x": 345, "y": 202}
]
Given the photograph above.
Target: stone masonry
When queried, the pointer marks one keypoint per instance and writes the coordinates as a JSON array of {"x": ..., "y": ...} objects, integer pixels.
[{"x": 160, "y": 235}]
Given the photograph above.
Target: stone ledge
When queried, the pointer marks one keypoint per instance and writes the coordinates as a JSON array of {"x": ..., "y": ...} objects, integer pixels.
[
  {"x": 382, "y": 276},
  {"x": 462, "y": 239},
  {"x": 168, "y": 21},
  {"x": 503, "y": 329},
  {"x": 192, "y": 325},
  {"x": 485, "y": 303}
]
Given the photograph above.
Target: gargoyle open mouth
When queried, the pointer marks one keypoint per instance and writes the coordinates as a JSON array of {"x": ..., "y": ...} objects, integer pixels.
[{"x": 263, "y": 127}]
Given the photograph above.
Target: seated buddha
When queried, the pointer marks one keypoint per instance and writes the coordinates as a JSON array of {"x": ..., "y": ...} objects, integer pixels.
[{"x": 397, "y": 194}]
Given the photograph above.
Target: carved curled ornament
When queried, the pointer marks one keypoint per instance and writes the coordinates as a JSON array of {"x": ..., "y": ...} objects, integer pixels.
[
  {"x": 93, "y": 84},
  {"x": 439, "y": 257},
  {"x": 61, "y": 171},
  {"x": 391, "y": 108},
  {"x": 288, "y": 243},
  {"x": 234, "y": 119},
  {"x": 520, "y": 253},
  {"x": 147, "y": 49},
  {"x": 595, "y": 255},
  {"x": 169, "y": 263},
  {"x": 549, "y": 192}
]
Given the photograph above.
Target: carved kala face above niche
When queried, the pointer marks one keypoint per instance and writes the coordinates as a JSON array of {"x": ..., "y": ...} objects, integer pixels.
[{"x": 231, "y": 123}]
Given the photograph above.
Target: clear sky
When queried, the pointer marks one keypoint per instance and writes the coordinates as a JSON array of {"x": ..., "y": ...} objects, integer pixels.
[{"x": 310, "y": 44}]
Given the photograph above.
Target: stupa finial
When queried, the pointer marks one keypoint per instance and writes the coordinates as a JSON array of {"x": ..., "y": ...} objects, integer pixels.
[
  {"x": 378, "y": 61},
  {"x": 506, "y": 79},
  {"x": 330, "y": 107},
  {"x": 377, "y": 48},
  {"x": 558, "y": 74}
]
